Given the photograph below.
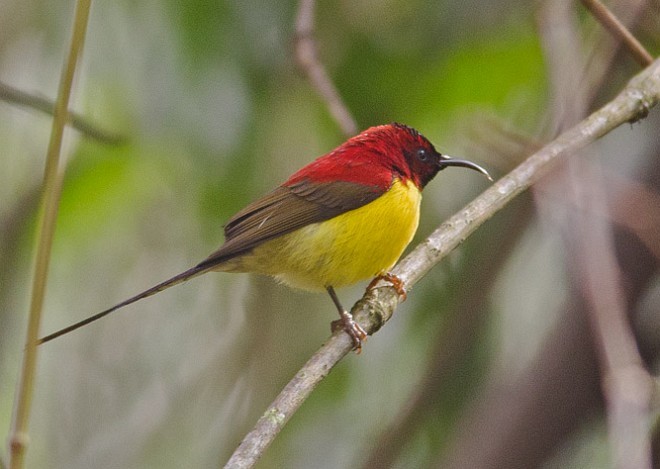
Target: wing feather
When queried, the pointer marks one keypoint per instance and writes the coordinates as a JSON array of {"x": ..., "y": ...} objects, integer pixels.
[{"x": 287, "y": 209}]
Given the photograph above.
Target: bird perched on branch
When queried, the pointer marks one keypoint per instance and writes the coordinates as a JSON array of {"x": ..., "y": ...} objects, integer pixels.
[{"x": 345, "y": 217}]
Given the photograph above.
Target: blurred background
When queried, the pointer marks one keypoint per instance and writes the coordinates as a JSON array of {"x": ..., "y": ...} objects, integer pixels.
[{"x": 489, "y": 363}]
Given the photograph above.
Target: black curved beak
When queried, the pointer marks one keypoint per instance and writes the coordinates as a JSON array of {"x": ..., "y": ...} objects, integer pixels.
[{"x": 449, "y": 161}]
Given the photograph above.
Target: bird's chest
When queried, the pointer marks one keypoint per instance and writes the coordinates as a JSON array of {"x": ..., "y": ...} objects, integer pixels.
[
  {"x": 353, "y": 246},
  {"x": 376, "y": 234}
]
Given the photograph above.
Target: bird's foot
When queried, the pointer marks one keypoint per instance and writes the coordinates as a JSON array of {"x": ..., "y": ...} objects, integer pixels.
[
  {"x": 396, "y": 282},
  {"x": 352, "y": 328}
]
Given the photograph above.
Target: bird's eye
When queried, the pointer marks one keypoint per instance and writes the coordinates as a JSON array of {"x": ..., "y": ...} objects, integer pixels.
[{"x": 422, "y": 154}]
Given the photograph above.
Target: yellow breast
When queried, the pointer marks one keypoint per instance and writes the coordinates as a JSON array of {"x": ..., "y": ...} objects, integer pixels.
[{"x": 350, "y": 247}]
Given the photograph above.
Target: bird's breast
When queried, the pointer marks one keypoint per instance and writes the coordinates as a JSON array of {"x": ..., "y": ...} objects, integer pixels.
[{"x": 343, "y": 250}]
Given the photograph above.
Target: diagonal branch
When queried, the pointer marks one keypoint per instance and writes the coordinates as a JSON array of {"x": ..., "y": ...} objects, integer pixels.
[
  {"x": 78, "y": 122},
  {"x": 378, "y": 305},
  {"x": 619, "y": 30},
  {"x": 307, "y": 57}
]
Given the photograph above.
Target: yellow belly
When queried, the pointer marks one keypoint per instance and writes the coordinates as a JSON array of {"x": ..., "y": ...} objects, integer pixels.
[{"x": 353, "y": 246}]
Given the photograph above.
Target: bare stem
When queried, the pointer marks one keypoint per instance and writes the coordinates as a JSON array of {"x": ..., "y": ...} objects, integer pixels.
[
  {"x": 48, "y": 216},
  {"x": 378, "y": 305},
  {"x": 619, "y": 30},
  {"x": 307, "y": 57},
  {"x": 21, "y": 98}
]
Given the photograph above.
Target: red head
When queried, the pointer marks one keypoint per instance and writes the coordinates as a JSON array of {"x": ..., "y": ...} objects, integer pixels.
[{"x": 379, "y": 154}]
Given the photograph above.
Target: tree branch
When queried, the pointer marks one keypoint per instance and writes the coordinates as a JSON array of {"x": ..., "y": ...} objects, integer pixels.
[
  {"x": 78, "y": 122},
  {"x": 619, "y": 30},
  {"x": 307, "y": 57},
  {"x": 378, "y": 305}
]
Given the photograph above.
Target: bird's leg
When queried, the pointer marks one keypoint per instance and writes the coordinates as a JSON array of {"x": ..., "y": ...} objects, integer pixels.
[
  {"x": 347, "y": 323},
  {"x": 396, "y": 282}
]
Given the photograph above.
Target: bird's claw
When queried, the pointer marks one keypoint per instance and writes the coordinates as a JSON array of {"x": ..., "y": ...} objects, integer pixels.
[
  {"x": 395, "y": 281},
  {"x": 352, "y": 328}
]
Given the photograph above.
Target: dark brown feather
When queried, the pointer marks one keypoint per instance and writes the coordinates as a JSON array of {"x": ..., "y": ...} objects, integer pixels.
[{"x": 287, "y": 209}]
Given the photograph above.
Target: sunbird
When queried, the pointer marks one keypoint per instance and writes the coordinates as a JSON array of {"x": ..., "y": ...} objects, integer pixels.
[{"x": 345, "y": 217}]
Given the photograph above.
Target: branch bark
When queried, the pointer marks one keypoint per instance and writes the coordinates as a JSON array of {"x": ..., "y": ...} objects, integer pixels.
[{"x": 377, "y": 306}]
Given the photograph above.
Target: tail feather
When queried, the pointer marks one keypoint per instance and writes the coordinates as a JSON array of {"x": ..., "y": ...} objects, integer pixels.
[{"x": 180, "y": 278}]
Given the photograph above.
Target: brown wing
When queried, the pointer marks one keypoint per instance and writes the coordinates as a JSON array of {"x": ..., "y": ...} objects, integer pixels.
[{"x": 286, "y": 209}]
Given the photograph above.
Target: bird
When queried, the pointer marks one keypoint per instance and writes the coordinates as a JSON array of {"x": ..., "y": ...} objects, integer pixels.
[{"x": 343, "y": 218}]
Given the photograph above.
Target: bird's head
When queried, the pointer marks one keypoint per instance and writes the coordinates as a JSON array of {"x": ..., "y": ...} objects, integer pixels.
[{"x": 409, "y": 154}]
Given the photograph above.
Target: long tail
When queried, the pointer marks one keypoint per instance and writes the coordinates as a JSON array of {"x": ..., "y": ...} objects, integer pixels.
[{"x": 182, "y": 277}]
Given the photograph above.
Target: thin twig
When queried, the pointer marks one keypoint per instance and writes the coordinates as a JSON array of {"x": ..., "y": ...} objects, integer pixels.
[
  {"x": 619, "y": 30},
  {"x": 50, "y": 205},
  {"x": 604, "y": 47},
  {"x": 307, "y": 57},
  {"x": 377, "y": 306},
  {"x": 78, "y": 122}
]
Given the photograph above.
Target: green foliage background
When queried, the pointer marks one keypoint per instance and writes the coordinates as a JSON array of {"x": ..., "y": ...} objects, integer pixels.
[{"x": 216, "y": 113}]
